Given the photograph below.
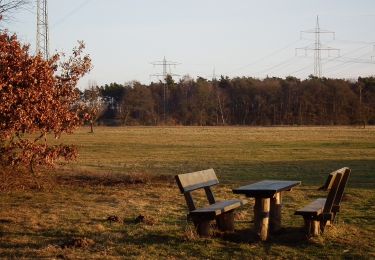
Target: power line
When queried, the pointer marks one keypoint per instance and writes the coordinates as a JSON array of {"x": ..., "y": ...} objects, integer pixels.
[
  {"x": 266, "y": 56},
  {"x": 346, "y": 60},
  {"x": 350, "y": 61},
  {"x": 72, "y": 12},
  {"x": 318, "y": 47},
  {"x": 283, "y": 63},
  {"x": 353, "y": 42},
  {"x": 332, "y": 59}
]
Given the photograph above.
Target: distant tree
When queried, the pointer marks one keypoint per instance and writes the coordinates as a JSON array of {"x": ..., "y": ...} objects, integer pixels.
[
  {"x": 94, "y": 105},
  {"x": 113, "y": 93},
  {"x": 249, "y": 101},
  {"x": 138, "y": 105},
  {"x": 38, "y": 98},
  {"x": 366, "y": 97},
  {"x": 157, "y": 95}
]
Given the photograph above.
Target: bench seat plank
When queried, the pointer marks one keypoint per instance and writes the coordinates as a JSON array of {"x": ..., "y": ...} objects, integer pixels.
[
  {"x": 218, "y": 208},
  {"x": 313, "y": 209}
]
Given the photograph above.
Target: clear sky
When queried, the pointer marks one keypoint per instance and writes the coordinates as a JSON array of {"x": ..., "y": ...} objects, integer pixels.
[{"x": 237, "y": 37}]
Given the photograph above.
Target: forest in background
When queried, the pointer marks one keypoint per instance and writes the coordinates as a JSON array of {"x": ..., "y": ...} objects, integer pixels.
[{"x": 237, "y": 101}]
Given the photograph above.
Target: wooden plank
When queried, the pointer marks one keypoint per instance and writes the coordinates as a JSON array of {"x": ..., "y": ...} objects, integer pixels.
[
  {"x": 266, "y": 188},
  {"x": 218, "y": 208},
  {"x": 340, "y": 191},
  {"x": 331, "y": 177},
  {"x": 332, "y": 193},
  {"x": 196, "y": 180},
  {"x": 313, "y": 209},
  {"x": 189, "y": 201},
  {"x": 209, "y": 194},
  {"x": 327, "y": 185}
]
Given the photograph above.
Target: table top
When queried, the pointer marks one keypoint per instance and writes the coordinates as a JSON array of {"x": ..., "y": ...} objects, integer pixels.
[{"x": 266, "y": 188}]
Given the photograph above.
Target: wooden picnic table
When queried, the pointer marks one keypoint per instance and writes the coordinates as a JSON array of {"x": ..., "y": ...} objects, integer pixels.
[{"x": 268, "y": 203}]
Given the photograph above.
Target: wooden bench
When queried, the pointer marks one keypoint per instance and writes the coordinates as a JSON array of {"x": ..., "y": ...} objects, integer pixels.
[
  {"x": 221, "y": 211},
  {"x": 322, "y": 211},
  {"x": 340, "y": 193}
]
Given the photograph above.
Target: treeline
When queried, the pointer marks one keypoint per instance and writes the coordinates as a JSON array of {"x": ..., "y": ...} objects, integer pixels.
[{"x": 240, "y": 101}]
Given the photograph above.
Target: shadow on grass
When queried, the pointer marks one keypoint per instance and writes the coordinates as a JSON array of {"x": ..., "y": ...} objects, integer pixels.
[
  {"x": 109, "y": 180},
  {"x": 291, "y": 236},
  {"x": 309, "y": 172},
  {"x": 29, "y": 250},
  {"x": 51, "y": 239}
]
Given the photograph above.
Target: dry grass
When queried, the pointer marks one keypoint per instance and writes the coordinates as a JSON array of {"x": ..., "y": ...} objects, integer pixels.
[
  {"x": 72, "y": 222},
  {"x": 92, "y": 209}
]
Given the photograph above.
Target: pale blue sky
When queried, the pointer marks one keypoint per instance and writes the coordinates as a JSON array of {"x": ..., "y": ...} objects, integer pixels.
[{"x": 238, "y": 37}]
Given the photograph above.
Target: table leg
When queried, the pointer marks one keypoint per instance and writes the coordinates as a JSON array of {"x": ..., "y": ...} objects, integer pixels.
[
  {"x": 261, "y": 217},
  {"x": 275, "y": 213}
]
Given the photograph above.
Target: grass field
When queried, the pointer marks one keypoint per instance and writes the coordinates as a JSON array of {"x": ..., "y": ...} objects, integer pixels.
[{"x": 123, "y": 172}]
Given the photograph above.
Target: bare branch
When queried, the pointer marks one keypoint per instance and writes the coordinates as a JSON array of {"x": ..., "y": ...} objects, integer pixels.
[{"x": 8, "y": 7}]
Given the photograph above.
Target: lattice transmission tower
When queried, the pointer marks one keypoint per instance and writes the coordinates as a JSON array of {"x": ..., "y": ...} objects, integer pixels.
[
  {"x": 42, "y": 33},
  {"x": 166, "y": 65},
  {"x": 318, "y": 47}
]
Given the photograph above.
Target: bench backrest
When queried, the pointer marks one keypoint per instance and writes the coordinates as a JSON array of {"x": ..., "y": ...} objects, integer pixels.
[
  {"x": 196, "y": 180},
  {"x": 331, "y": 177},
  {"x": 332, "y": 193},
  {"x": 340, "y": 192},
  {"x": 189, "y": 182}
]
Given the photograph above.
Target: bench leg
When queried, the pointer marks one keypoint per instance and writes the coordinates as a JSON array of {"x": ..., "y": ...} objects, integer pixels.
[
  {"x": 202, "y": 227},
  {"x": 312, "y": 227},
  {"x": 261, "y": 217},
  {"x": 275, "y": 213},
  {"x": 225, "y": 222},
  {"x": 323, "y": 224}
]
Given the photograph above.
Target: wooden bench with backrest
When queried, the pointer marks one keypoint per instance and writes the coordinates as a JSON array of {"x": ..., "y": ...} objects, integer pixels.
[
  {"x": 340, "y": 193},
  {"x": 324, "y": 210},
  {"x": 221, "y": 211}
]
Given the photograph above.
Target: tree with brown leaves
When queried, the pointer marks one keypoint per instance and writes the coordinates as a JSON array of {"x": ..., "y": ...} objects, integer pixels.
[{"x": 38, "y": 99}]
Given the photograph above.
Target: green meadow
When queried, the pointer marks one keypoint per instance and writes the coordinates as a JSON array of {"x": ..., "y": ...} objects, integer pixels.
[{"x": 126, "y": 172}]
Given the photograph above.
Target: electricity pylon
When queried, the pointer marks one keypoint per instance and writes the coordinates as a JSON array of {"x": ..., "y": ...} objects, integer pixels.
[
  {"x": 42, "y": 34},
  {"x": 318, "y": 47},
  {"x": 166, "y": 64},
  {"x": 164, "y": 74}
]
